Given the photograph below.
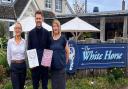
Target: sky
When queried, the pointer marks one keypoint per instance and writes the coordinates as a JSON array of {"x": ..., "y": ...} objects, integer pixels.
[{"x": 104, "y": 5}]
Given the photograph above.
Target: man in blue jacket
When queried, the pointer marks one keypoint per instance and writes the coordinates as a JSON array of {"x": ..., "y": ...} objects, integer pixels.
[{"x": 39, "y": 39}]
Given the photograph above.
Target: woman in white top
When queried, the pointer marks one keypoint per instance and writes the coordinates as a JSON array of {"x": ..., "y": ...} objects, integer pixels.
[{"x": 16, "y": 58}]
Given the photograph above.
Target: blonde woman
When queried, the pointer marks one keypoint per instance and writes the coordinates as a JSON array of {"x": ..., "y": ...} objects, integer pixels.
[
  {"x": 16, "y": 58},
  {"x": 60, "y": 56}
]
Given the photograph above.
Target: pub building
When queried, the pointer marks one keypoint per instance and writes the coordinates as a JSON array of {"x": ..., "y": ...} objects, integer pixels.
[{"x": 113, "y": 25}]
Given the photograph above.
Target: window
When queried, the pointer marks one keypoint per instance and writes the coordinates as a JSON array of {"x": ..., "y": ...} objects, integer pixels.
[
  {"x": 48, "y": 3},
  {"x": 6, "y": 1},
  {"x": 58, "y": 5}
]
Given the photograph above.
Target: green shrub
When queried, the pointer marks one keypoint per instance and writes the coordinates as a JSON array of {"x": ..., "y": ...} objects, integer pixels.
[
  {"x": 29, "y": 87},
  {"x": 2, "y": 73},
  {"x": 49, "y": 85},
  {"x": 2, "y": 29},
  {"x": 111, "y": 79},
  {"x": 85, "y": 35},
  {"x": 114, "y": 76},
  {"x": 116, "y": 73},
  {"x": 8, "y": 85},
  {"x": 3, "y": 58},
  {"x": 76, "y": 83},
  {"x": 28, "y": 74},
  {"x": 3, "y": 42}
]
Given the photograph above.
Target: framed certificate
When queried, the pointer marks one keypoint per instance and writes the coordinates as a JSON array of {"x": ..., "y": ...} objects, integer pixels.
[
  {"x": 32, "y": 58},
  {"x": 47, "y": 58}
]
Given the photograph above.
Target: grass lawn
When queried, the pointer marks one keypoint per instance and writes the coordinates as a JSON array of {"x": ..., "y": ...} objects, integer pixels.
[{"x": 84, "y": 83}]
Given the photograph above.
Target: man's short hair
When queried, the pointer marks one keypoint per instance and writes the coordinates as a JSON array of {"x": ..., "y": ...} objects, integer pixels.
[{"x": 39, "y": 12}]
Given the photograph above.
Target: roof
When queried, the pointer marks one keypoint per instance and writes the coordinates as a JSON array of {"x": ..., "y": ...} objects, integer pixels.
[
  {"x": 12, "y": 11},
  {"x": 7, "y": 12},
  {"x": 93, "y": 17},
  {"x": 48, "y": 14},
  {"x": 98, "y": 14},
  {"x": 19, "y": 6}
]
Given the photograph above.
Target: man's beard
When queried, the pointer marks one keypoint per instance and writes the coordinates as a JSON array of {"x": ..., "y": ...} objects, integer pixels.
[{"x": 39, "y": 26}]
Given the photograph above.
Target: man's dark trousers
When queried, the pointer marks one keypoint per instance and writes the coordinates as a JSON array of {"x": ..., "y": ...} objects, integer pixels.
[{"x": 38, "y": 73}]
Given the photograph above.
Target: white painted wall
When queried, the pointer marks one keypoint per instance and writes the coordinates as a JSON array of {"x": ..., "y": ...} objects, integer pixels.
[
  {"x": 65, "y": 10},
  {"x": 30, "y": 11}
]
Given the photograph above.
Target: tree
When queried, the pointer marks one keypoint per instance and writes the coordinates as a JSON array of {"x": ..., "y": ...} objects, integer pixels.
[
  {"x": 2, "y": 29},
  {"x": 3, "y": 40},
  {"x": 80, "y": 6}
]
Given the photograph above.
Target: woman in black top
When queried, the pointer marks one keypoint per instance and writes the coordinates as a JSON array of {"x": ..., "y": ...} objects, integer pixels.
[{"x": 60, "y": 56}]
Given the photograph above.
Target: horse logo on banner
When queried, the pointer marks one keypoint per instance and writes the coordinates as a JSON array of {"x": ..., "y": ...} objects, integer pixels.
[{"x": 73, "y": 57}]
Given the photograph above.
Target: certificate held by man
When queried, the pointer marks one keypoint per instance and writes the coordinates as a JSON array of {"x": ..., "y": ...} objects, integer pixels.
[
  {"x": 47, "y": 58},
  {"x": 32, "y": 58}
]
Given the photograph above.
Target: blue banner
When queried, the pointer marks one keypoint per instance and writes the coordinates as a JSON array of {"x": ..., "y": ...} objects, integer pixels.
[
  {"x": 84, "y": 56},
  {"x": 102, "y": 55}
]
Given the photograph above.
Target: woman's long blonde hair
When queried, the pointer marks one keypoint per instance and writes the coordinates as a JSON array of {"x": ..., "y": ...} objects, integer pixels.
[{"x": 55, "y": 21}]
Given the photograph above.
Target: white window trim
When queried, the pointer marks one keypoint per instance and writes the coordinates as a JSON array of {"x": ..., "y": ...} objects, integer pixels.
[
  {"x": 49, "y": 3},
  {"x": 6, "y": 1},
  {"x": 58, "y": 6}
]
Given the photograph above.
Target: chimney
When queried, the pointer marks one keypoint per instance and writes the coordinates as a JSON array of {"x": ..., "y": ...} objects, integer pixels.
[
  {"x": 123, "y": 5},
  {"x": 96, "y": 9}
]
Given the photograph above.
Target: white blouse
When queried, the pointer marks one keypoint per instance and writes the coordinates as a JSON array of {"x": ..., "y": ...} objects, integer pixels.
[{"x": 15, "y": 51}]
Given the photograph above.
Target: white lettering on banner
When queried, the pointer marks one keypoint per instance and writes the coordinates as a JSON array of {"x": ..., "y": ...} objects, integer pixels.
[
  {"x": 90, "y": 55},
  {"x": 95, "y": 55},
  {"x": 109, "y": 55}
]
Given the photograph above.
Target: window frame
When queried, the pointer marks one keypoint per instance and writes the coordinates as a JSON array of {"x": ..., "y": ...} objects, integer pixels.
[
  {"x": 6, "y": 1},
  {"x": 48, "y": 4},
  {"x": 58, "y": 5}
]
